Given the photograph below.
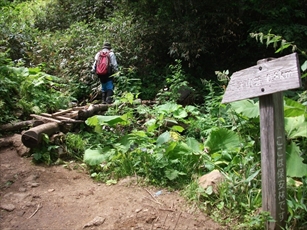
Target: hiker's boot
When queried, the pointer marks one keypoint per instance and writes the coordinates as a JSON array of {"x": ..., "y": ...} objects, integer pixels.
[
  {"x": 109, "y": 98},
  {"x": 103, "y": 98}
]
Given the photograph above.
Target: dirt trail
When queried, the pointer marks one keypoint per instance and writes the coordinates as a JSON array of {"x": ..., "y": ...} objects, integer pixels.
[{"x": 40, "y": 197}]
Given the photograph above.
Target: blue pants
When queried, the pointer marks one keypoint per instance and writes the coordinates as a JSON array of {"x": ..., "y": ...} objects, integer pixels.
[{"x": 105, "y": 86}]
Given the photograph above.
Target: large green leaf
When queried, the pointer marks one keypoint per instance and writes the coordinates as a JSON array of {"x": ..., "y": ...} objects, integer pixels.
[
  {"x": 294, "y": 108},
  {"x": 103, "y": 120},
  {"x": 163, "y": 138},
  {"x": 172, "y": 174},
  {"x": 151, "y": 125},
  {"x": 124, "y": 144},
  {"x": 93, "y": 157},
  {"x": 177, "y": 128},
  {"x": 194, "y": 145},
  {"x": 222, "y": 139},
  {"x": 295, "y": 165},
  {"x": 168, "y": 108},
  {"x": 246, "y": 107},
  {"x": 296, "y": 127},
  {"x": 180, "y": 113}
]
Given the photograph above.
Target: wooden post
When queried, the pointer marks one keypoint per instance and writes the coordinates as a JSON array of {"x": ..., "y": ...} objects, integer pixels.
[
  {"x": 273, "y": 158},
  {"x": 267, "y": 80}
]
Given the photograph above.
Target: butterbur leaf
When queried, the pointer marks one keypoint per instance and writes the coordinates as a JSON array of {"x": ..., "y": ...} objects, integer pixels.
[
  {"x": 168, "y": 108},
  {"x": 192, "y": 110},
  {"x": 92, "y": 121},
  {"x": 180, "y": 113},
  {"x": 293, "y": 108},
  {"x": 93, "y": 157},
  {"x": 103, "y": 120},
  {"x": 151, "y": 125},
  {"x": 194, "y": 145},
  {"x": 222, "y": 139},
  {"x": 110, "y": 120},
  {"x": 124, "y": 144},
  {"x": 163, "y": 138},
  {"x": 248, "y": 108},
  {"x": 296, "y": 127},
  {"x": 295, "y": 165}
]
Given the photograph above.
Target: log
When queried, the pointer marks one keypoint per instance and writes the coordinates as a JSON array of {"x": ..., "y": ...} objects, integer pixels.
[
  {"x": 46, "y": 119},
  {"x": 62, "y": 112},
  {"x": 19, "y": 125},
  {"x": 74, "y": 114},
  {"x": 58, "y": 119},
  {"x": 92, "y": 110},
  {"x": 83, "y": 114},
  {"x": 33, "y": 136}
]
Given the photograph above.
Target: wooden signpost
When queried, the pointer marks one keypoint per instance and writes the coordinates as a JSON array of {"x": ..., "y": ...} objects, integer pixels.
[{"x": 267, "y": 80}]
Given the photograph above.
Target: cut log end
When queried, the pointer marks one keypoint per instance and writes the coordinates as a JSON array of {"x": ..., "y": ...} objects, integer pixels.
[
  {"x": 30, "y": 139},
  {"x": 33, "y": 137}
]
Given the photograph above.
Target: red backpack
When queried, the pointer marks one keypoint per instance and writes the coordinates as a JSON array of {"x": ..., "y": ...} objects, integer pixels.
[{"x": 103, "y": 63}]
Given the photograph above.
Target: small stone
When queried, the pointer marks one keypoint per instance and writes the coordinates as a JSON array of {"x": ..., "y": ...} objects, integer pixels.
[
  {"x": 35, "y": 184},
  {"x": 51, "y": 190},
  {"x": 21, "y": 213},
  {"x": 7, "y": 207},
  {"x": 98, "y": 220},
  {"x": 138, "y": 210},
  {"x": 22, "y": 189}
]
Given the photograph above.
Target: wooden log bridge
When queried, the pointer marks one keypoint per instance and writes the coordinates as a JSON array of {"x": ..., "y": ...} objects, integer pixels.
[
  {"x": 267, "y": 80},
  {"x": 59, "y": 121}
]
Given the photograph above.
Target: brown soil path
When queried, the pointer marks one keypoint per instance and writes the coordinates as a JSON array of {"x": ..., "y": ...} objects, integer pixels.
[{"x": 57, "y": 197}]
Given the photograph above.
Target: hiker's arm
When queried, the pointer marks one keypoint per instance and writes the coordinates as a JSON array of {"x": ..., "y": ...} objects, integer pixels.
[
  {"x": 93, "y": 67},
  {"x": 94, "y": 64},
  {"x": 113, "y": 62}
]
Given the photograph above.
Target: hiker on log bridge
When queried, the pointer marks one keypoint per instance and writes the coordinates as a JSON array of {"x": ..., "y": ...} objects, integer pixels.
[{"x": 104, "y": 66}]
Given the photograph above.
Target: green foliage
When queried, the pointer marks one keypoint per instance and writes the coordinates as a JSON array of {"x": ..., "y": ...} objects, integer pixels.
[
  {"x": 248, "y": 108},
  {"x": 127, "y": 81},
  {"x": 157, "y": 153},
  {"x": 75, "y": 145},
  {"x": 222, "y": 139},
  {"x": 296, "y": 203},
  {"x": 30, "y": 90},
  {"x": 238, "y": 198},
  {"x": 46, "y": 153},
  {"x": 175, "y": 84},
  {"x": 167, "y": 144}
]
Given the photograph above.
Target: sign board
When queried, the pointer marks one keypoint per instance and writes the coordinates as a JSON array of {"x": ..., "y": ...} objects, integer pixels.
[{"x": 265, "y": 78}]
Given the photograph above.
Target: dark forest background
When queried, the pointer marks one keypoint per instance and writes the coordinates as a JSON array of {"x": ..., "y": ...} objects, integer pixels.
[{"x": 148, "y": 36}]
